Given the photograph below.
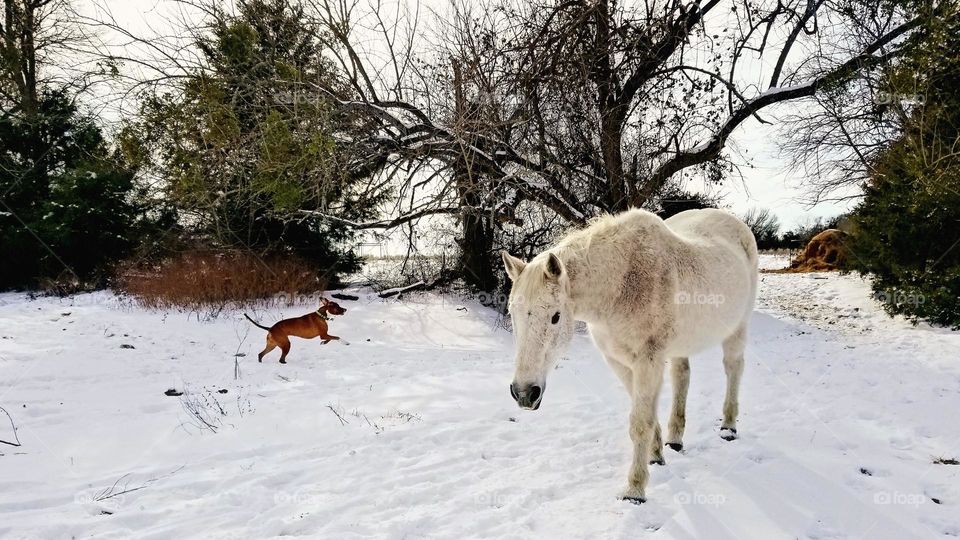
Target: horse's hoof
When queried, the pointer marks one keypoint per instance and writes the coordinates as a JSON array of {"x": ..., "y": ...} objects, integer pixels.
[
  {"x": 659, "y": 461},
  {"x": 728, "y": 433},
  {"x": 283, "y": 361},
  {"x": 675, "y": 446},
  {"x": 633, "y": 495}
]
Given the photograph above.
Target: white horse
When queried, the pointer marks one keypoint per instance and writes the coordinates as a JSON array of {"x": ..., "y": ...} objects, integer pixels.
[{"x": 649, "y": 290}]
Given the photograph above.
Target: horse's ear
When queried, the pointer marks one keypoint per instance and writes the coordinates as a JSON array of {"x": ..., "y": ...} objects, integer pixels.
[
  {"x": 554, "y": 267},
  {"x": 513, "y": 265}
]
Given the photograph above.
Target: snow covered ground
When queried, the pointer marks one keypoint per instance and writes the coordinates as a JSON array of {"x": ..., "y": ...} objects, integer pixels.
[{"x": 410, "y": 431}]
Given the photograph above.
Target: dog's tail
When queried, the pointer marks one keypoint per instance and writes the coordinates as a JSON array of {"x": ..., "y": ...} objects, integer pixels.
[{"x": 255, "y": 323}]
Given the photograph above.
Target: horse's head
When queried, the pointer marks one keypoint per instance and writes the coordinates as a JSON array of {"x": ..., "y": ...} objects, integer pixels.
[{"x": 543, "y": 324}]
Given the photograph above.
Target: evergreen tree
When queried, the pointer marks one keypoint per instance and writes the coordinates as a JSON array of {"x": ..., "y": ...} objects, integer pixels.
[
  {"x": 907, "y": 229},
  {"x": 66, "y": 211},
  {"x": 249, "y": 141}
]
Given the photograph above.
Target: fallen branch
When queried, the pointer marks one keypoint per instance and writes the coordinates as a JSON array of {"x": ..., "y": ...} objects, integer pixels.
[
  {"x": 16, "y": 439},
  {"x": 400, "y": 290}
]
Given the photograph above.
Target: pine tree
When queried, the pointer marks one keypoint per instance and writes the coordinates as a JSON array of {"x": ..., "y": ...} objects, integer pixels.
[
  {"x": 249, "y": 141},
  {"x": 907, "y": 229}
]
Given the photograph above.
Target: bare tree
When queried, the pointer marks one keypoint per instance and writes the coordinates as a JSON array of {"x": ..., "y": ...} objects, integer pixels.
[
  {"x": 764, "y": 225},
  {"x": 596, "y": 105},
  {"x": 549, "y": 111},
  {"x": 837, "y": 138},
  {"x": 583, "y": 107}
]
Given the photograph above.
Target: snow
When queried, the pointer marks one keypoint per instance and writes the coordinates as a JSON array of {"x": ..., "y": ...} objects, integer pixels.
[
  {"x": 780, "y": 89},
  {"x": 410, "y": 431}
]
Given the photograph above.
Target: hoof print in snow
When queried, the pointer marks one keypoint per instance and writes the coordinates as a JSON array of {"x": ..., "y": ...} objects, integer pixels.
[
  {"x": 936, "y": 500},
  {"x": 222, "y": 391},
  {"x": 866, "y": 472},
  {"x": 240, "y": 355},
  {"x": 512, "y": 419},
  {"x": 945, "y": 461},
  {"x": 728, "y": 434},
  {"x": 633, "y": 500},
  {"x": 173, "y": 392},
  {"x": 126, "y": 346},
  {"x": 675, "y": 446}
]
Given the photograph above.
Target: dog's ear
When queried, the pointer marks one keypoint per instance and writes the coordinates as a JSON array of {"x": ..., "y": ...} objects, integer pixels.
[{"x": 324, "y": 301}]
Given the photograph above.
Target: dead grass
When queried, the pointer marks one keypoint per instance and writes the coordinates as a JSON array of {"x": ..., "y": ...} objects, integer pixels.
[{"x": 209, "y": 281}]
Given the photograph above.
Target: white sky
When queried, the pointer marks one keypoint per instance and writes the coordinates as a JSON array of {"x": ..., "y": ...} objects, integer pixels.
[{"x": 767, "y": 185}]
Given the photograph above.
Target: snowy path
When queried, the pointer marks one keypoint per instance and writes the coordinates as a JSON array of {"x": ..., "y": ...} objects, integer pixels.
[{"x": 841, "y": 423}]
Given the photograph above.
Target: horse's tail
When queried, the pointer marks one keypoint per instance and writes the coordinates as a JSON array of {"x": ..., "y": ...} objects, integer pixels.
[{"x": 256, "y": 323}]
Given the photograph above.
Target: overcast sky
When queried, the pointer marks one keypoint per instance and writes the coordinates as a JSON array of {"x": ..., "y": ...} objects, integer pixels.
[{"x": 768, "y": 184}]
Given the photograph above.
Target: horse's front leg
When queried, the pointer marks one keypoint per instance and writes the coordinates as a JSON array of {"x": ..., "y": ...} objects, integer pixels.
[
  {"x": 647, "y": 378},
  {"x": 626, "y": 377}
]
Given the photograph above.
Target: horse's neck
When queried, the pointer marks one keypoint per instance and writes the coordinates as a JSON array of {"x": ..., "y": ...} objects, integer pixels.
[
  {"x": 593, "y": 287},
  {"x": 596, "y": 277}
]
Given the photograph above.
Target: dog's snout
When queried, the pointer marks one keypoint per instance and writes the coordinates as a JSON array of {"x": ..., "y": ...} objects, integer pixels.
[{"x": 527, "y": 396}]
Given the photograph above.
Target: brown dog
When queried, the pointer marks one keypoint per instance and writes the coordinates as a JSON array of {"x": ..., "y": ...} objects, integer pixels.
[{"x": 308, "y": 327}]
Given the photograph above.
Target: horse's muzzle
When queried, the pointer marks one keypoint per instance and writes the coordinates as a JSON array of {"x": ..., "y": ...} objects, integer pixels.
[{"x": 527, "y": 396}]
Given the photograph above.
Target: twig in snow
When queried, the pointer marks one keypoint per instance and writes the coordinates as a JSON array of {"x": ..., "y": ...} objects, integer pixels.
[
  {"x": 111, "y": 492},
  {"x": 343, "y": 421},
  {"x": 16, "y": 438}
]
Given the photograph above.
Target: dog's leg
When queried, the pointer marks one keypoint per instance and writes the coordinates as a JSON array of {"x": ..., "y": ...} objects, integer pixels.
[
  {"x": 271, "y": 345},
  {"x": 284, "y": 347},
  {"x": 327, "y": 338}
]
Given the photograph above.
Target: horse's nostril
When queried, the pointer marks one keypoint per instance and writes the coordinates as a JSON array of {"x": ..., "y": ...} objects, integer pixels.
[
  {"x": 534, "y": 393},
  {"x": 513, "y": 392}
]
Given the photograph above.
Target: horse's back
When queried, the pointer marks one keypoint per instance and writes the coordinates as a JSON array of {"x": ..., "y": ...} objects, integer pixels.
[
  {"x": 708, "y": 225},
  {"x": 718, "y": 258}
]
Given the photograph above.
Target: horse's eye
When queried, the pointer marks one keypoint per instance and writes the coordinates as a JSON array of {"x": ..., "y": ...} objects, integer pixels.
[{"x": 556, "y": 318}]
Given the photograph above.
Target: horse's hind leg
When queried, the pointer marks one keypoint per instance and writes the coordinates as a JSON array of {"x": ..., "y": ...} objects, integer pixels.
[
  {"x": 733, "y": 348},
  {"x": 680, "y": 375}
]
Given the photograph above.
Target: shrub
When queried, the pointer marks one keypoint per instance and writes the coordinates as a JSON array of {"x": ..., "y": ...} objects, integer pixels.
[
  {"x": 906, "y": 232},
  {"x": 208, "y": 280}
]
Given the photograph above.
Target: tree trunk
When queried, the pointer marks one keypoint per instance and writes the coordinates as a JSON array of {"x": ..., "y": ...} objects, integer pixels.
[
  {"x": 476, "y": 247},
  {"x": 476, "y": 242}
]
